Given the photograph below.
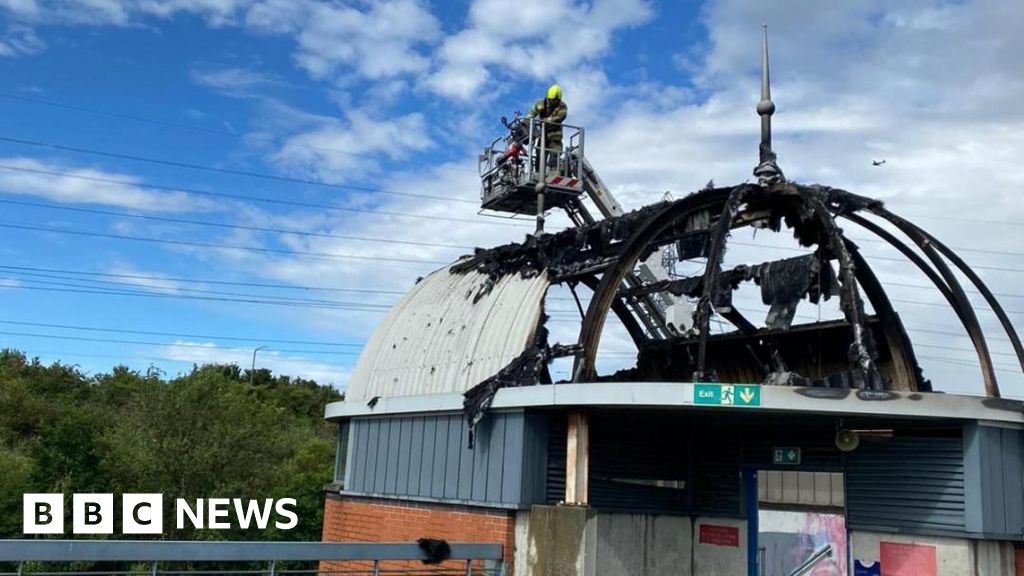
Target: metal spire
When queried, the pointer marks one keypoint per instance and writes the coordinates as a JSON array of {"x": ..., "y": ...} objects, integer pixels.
[{"x": 767, "y": 171}]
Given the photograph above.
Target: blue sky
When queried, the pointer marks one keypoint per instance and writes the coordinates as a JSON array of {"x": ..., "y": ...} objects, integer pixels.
[{"x": 346, "y": 104}]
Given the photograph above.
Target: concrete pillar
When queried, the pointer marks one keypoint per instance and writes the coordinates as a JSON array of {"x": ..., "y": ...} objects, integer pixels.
[
  {"x": 578, "y": 541},
  {"x": 557, "y": 541}
]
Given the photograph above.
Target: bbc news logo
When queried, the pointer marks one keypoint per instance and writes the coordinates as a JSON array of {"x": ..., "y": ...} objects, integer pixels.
[{"x": 144, "y": 513}]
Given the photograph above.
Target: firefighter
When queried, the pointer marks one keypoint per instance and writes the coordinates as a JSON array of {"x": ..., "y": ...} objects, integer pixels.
[{"x": 553, "y": 110}]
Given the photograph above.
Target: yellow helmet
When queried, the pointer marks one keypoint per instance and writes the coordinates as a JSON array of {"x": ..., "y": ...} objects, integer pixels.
[{"x": 555, "y": 92}]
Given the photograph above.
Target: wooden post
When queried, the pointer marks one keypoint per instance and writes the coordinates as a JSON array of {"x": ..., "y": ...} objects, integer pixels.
[{"x": 577, "y": 462}]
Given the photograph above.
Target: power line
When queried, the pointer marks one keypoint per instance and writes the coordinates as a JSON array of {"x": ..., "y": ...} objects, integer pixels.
[
  {"x": 360, "y": 308},
  {"x": 954, "y": 248},
  {"x": 944, "y": 305},
  {"x": 1003, "y": 368},
  {"x": 200, "y": 280},
  {"x": 955, "y": 349},
  {"x": 231, "y": 226},
  {"x": 219, "y": 246},
  {"x": 175, "y": 291},
  {"x": 161, "y": 344},
  {"x": 870, "y": 256},
  {"x": 968, "y": 290},
  {"x": 37, "y": 353},
  {"x": 245, "y": 198},
  {"x": 184, "y": 126},
  {"x": 233, "y": 172},
  {"x": 170, "y": 124},
  {"x": 178, "y": 335},
  {"x": 234, "y": 135}
]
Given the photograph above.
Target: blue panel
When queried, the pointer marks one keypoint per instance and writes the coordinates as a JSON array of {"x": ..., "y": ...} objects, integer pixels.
[
  {"x": 435, "y": 430},
  {"x": 481, "y": 452},
  {"x": 514, "y": 456},
  {"x": 992, "y": 480},
  {"x": 495, "y": 461},
  {"x": 428, "y": 457},
  {"x": 453, "y": 440},
  {"x": 355, "y": 453},
  {"x": 465, "y": 476},
  {"x": 383, "y": 445},
  {"x": 1013, "y": 481},
  {"x": 373, "y": 449},
  {"x": 416, "y": 460},
  {"x": 974, "y": 498},
  {"x": 394, "y": 439},
  {"x": 404, "y": 446}
]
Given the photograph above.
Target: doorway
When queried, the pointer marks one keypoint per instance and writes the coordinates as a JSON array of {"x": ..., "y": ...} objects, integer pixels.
[{"x": 801, "y": 523}]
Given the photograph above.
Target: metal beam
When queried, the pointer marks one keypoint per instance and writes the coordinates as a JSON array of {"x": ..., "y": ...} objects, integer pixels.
[
  {"x": 182, "y": 551},
  {"x": 577, "y": 464}
]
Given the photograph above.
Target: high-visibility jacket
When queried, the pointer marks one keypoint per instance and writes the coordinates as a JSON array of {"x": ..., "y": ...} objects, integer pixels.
[{"x": 550, "y": 111}]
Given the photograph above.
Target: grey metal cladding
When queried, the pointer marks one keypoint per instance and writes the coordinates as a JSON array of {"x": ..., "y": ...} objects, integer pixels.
[
  {"x": 448, "y": 334},
  {"x": 427, "y": 457},
  {"x": 994, "y": 485},
  {"x": 535, "y": 432},
  {"x": 912, "y": 484}
]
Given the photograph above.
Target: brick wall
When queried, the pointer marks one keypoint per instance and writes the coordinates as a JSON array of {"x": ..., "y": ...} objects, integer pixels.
[{"x": 354, "y": 519}]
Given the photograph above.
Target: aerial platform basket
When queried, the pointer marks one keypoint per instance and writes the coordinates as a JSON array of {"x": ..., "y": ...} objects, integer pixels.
[{"x": 512, "y": 167}]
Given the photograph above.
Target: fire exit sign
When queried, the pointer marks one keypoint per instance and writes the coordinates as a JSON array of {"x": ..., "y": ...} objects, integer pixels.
[
  {"x": 744, "y": 395},
  {"x": 786, "y": 456}
]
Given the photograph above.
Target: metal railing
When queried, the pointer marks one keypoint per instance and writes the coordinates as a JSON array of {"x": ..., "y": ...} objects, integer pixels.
[
  {"x": 812, "y": 561},
  {"x": 173, "y": 558}
]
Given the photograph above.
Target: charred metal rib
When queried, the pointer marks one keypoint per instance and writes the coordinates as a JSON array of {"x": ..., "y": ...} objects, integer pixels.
[
  {"x": 972, "y": 325},
  {"x": 702, "y": 316},
  {"x": 603, "y": 256}
]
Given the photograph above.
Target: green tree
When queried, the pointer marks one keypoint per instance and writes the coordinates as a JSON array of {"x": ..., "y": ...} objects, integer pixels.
[{"x": 209, "y": 433}]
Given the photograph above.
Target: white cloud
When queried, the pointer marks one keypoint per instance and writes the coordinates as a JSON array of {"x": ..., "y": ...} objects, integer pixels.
[
  {"x": 323, "y": 372},
  {"x": 538, "y": 39},
  {"x": 928, "y": 86},
  {"x": 380, "y": 42},
  {"x": 917, "y": 90},
  {"x": 120, "y": 12},
  {"x": 73, "y": 185},
  {"x": 20, "y": 41},
  {"x": 375, "y": 40},
  {"x": 932, "y": 87},
  {"x": 336, "y": 150},
  {"x": 236, "y": 82}
]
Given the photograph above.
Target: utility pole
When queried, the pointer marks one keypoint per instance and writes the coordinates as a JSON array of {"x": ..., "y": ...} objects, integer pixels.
[{"x": 252, "y": 371}]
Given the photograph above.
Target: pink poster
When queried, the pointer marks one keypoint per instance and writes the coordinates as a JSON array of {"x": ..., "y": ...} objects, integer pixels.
[{"x": 908, "y": 560}]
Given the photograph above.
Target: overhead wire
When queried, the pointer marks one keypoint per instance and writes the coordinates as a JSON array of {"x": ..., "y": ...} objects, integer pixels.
[
  {"x": 180, "y": 335},
  {"x": 220, "y": 246},
  {"x": 208, "y": 223},
  {"x": 199, "y": 280},
  {"x": 870, "y": 256},
  {"x": 257, "y": 199},
  {"x": 230, "y": 171},
  {"x": 205, "y": 130},
  {"x": 163, "y": 344},
  {"x": 32, "y": 277},
  {"x": 139, "y": 294},
  {"x": 183, "y": 126}
]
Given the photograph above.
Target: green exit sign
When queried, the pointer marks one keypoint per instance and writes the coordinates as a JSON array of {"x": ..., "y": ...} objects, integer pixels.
[
  {"x": 786, "y": 456},
  {"x": 744, "y": 395}
]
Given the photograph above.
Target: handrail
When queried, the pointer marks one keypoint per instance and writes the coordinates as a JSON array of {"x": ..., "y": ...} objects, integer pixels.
[
  {"x": 227, "y": 551},
  {"x": 818, "y": 556}
]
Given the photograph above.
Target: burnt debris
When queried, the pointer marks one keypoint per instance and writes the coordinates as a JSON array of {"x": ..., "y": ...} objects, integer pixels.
[{"x": 866, "y": 352}]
